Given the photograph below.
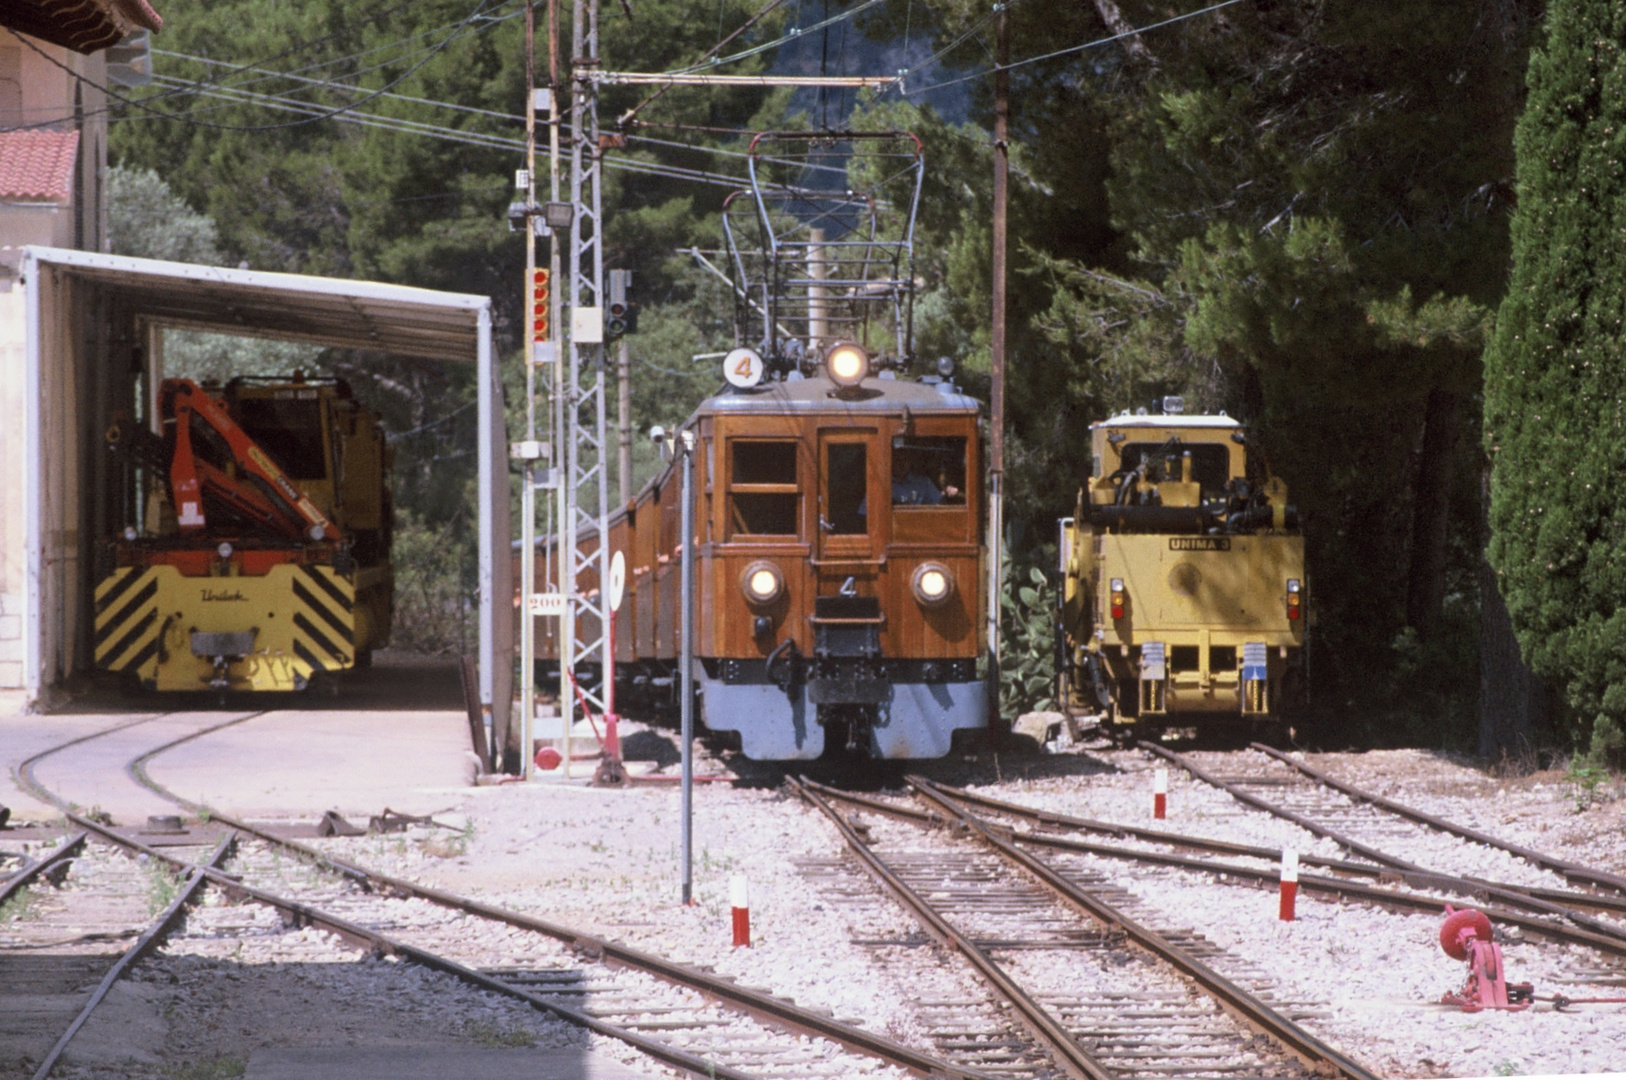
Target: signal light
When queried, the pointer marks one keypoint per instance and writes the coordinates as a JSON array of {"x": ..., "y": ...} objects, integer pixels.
[
  {"x": 620, "y": 313},
  {"x": 541, "y": 305},
  {"x": 1295, "y": 599},
  {"x": 1117, "y": 598}
]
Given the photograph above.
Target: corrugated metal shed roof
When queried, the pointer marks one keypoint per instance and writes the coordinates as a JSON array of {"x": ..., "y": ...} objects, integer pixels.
[
  {"x": 395, "y": 319},
  {"x": 37, "y": 166}
]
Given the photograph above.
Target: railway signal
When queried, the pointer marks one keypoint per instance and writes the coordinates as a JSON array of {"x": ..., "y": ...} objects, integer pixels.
[
  {"x": 541, "y": 304},
  {"x": 620, "y": 313}
]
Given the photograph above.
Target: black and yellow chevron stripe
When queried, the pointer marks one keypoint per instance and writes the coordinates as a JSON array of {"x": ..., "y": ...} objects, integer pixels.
[
  {"x": 324, "y": 623},
  {"x": 127, "y": 626}
]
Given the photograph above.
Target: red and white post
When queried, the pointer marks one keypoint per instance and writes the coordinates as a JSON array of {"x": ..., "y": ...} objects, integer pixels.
[
  {"x": 739, "y": 899},
  {"x": 1290, "y": 883},
  {"x": 1160, "y": 794}
]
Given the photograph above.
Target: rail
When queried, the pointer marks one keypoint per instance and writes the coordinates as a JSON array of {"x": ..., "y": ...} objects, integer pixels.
[
  {"x": 1494, "y": 890},
  {"x": 1072, "y": 1057},
  {"x": 760, "y": 1006},
  {"x": 1546, "y": 862},
  {"x": 1231, "y": 996}
]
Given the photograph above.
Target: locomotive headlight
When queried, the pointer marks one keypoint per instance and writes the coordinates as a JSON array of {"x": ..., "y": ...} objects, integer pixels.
[
  {"x": 1117, "y": 598},
  {"x": 847, "y": 364},
  {"x": 762, "y": 583},
  {"x": 1295, "y": 599},
  {"x": 932, "y": 583},
  {"x": 224, "y": 550}
]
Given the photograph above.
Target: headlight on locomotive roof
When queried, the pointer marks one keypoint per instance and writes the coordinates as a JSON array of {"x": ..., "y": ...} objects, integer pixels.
[
  {"x": 847, "y": 364},
  {"x": 932, "y": 583},
  {"x": 762, "y": 583}
]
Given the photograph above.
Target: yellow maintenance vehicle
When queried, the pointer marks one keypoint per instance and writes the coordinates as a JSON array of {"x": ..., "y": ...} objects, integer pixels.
[
  {"x": 262, "y": 558},
  {"x": 1185, "y": 601}
]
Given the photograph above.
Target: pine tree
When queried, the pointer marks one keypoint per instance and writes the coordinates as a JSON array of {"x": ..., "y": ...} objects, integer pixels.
[{"x": 1555, "y": 388}]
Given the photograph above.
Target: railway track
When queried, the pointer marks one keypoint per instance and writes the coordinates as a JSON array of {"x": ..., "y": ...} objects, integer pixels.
[
  {"x": 683, "y": 1018},
  {"x": 1085, "y": 971},
  {"x": 1358, "y": 821}
]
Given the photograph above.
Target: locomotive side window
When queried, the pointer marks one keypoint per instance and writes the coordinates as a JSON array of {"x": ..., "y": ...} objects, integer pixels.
[
  {"x": 764, "y": 499},
  {"x": 1210, "y": 462},
  {"x": 847, "y": 477},
  {"x": 928, "y": 471}
]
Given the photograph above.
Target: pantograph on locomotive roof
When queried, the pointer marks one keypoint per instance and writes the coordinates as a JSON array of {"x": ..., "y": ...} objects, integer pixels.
[{"x": 815, "y": 263}]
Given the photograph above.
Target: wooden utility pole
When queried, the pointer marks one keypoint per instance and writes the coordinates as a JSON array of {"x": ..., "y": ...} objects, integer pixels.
[
  {"x": 996, "y": 340},
  {"x": 623, "y": 402}
]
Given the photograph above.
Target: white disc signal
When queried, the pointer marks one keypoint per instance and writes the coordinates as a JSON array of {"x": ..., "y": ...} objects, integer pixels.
[
  {"x": 618, "y": 580},
  {"x": 743, "y": 368}
]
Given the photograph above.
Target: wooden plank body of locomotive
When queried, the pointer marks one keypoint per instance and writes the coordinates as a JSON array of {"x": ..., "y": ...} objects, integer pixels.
[{"x": 856, "y": 514}]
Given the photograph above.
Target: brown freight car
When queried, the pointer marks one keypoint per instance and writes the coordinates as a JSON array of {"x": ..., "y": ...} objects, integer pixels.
[{"x": 839, "y": 566}]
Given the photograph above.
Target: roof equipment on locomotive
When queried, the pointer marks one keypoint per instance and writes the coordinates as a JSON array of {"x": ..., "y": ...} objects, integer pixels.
[
  {"x": 1185, "y": 595},
  {"x": 261, "y": 556}
]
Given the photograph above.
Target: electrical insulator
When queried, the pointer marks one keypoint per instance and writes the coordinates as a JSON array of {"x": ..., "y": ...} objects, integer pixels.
[{"x": 541, "y": 306}]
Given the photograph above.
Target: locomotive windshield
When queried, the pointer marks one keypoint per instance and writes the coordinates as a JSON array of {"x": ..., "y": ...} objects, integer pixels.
[
  {"x": 763, "y": 494},
  {"x": 928, "y": 471},
  {"x": 290, "y": 431},
  {"x": 848, "y": 472},
  {"x": 1210, "y": 462}
]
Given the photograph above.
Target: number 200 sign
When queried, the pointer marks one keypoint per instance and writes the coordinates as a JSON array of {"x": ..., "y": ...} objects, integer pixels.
[{"x": 743, "y": 368}]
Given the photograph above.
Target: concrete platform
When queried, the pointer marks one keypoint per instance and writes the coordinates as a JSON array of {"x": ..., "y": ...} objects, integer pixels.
[
  {"x": 432, "y": 1063},
  {"x": 396, "y": 736}
]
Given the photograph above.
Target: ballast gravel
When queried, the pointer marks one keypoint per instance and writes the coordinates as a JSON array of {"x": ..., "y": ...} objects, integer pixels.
[{"x": 606, "y": 862}]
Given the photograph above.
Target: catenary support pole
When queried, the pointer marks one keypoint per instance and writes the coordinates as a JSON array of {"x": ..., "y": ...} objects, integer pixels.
[
  {"x": 527, "y": 501},
  {"x": 996, "y": 395},
  {"x": 686, "y": 659}
]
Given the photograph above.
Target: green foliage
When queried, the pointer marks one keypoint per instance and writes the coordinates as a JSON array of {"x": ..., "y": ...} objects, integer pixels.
[
  {"x": 146, "y": 218},
  {"x": 224, "y": 1068},
  {"x": 162, "y": 886},
  {"x": 1555, "y": 401},
  {"x": 1027, "y": 641},
  {"x": 434, "y": 609},
  {"x": 18, "y": 907}
]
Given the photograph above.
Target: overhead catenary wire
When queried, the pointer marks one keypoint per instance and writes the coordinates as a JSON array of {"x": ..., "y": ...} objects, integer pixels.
[
  {"x": 1097, "y": 43},
  {"x": 370, "y": 95}
]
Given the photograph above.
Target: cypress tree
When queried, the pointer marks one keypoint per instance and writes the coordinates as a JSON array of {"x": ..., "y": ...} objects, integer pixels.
[{"x": 1555, "y": 380}]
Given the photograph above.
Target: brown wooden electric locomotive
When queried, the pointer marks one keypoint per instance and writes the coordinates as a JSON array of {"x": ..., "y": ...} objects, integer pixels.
[{"x": 838, "y": 498}]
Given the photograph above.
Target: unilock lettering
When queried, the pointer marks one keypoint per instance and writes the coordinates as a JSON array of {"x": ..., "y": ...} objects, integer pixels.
[
  {"x": 210, "y": 594},
  {"x": 1199, "y": 543}
]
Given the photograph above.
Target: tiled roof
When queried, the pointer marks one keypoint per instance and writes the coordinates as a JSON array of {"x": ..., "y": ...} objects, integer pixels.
[
  {"x": 37, "y": 166},
  {"x": 82, "y": 25}
]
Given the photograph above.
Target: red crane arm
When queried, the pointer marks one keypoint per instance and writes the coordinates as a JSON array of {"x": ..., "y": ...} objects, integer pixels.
[{"x": 188, "y": 476}]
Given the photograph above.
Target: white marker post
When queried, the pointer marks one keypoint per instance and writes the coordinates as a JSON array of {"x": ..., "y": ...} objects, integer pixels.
[
  {"x": 1290, "y": 883},
  {"x": 1160, "y": 794}
]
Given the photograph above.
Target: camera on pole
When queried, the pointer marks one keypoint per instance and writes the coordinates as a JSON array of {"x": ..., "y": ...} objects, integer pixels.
[{"x": 620, "y": 313}]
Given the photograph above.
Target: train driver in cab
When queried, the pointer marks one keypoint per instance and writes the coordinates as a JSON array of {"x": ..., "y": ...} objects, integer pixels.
[{"x": 911, "y": 483}]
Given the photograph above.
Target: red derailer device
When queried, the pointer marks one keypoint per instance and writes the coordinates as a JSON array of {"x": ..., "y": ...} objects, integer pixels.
[{"x": 1466, "y": 935}]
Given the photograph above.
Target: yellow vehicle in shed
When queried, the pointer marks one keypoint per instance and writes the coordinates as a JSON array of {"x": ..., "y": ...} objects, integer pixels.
[
  {"x": 262, "y": 557},
  {"x": 1185, "y": 600}
]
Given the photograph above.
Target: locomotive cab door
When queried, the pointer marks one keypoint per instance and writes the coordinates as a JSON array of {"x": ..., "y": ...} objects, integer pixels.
[{"x": 850, "y": 503}]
